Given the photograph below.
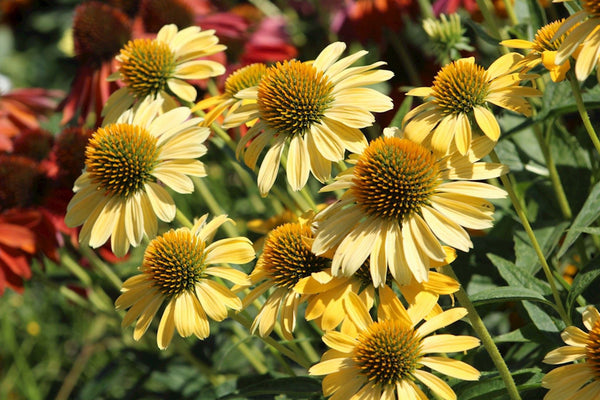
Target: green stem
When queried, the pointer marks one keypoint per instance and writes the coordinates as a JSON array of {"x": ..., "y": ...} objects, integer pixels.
[
  {"x": 101, "y": 266},
  {"x": 510, "y": 11},
  {"x": 74, "y": 267},
  {"x": 582, "y": 111},
  {"x": 307, "y": 347},
  {"x": 182, "y": 219},
  {"x": 490, "y": 22},
  {"x": 213, "y": 205},
  {"x": 252, "y": 355},
  {"x": 536, "y": 246},
  {"x": 580, "y": 299},
  {"x": 426, "y": 9},
  {"x": 554, "y": 177},
  {"x": 270, "y": 341},
  {"x": 486, "y": 338}
]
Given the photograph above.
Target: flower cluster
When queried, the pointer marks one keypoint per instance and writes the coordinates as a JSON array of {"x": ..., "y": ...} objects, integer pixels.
[{"x": 170, "y": 94}]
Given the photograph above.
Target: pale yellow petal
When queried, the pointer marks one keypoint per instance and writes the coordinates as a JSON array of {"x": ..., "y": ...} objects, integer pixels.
[
  {"x": 574, "y": 336},
  {"x": 166, "y": 327},
  {"x": 329, "y": 56},
  {"x": 446, "y": 229},
  {"x": 487, "y": 122},
  {"x": 442, "y": 320},
  {"x": 146, "y": 318},
  {"x": 454, "y": 368},
  {"x": 233, "y": 275},
  {"x": 564, "y": 354},
  {"x": 590, "y": 317},
  {"x": 423, "y": 236},
  {"x": 330, "y": 366},
  {"x": 182, "y": 89},
  {"x": 231, "y": 250},
  {"x": 357, "y": 311},
  {"x": 463, "y": 133},
  {"x": 270, "y": 166},
  {"x": 184, "y": 310},
  {"x": 447, "y": 343},
  {"x": 434, "y": 383},
  {"x": 298, "y": 163},
  {"x": 417, "y": 261},
  {"x": 161, "y": 202}
]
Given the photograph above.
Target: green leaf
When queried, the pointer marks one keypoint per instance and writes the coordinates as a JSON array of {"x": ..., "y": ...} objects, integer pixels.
[
  {"x": 542, "y": 319},
  {"x": 402, "y": 111},
  {"x": 548, "y": 238},
  {"x": 481, "y": 33},
  {"x": 297, "y": 386},
  {"x": 589, "y": 274},
  {"x": 588, "y": 215},
  {"x": 491, "y": 386},
  {"x": 516, "y": 276},
  {"x": 590, "y": 230},
  {"x": 525, "y": 334},
  {"x": 503, "y": 294},
  {"x": 558, "y": 99}
]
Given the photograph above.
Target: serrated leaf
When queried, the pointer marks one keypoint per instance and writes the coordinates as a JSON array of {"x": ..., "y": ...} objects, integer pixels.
[
  {"x": 515, "y": 276},
  {"x": 589, "y": 274},
  {"x": 503, "y": 294},
  {"x": 588, "y": 214}
]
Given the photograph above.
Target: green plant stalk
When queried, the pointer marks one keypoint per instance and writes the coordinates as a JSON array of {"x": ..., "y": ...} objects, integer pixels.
[
  {"x": 75, "y": 372},
  {"x": 490, "y": 22},
  {"x": 585, "y": 118},
  {"x": 580, "y": 299},
  {"x": 559, "y": 191},
  {"x": 536, "y": 246},
  {"x": 270, "y": 341},
  {"x": 73, "y": 266},
  {"x": 486, "y": 338},
  {"x": 251, "y": 355},
  {"x": 182, "y": 219},
  {"x": 213, "y": 205},
  {"x": 26, "y": 376},
  {"x": 308, "y": 348},
  {"x": 426, "y": 9},
  {"x": 101, "y": 266},
  {"x": 510, "y": 11}
]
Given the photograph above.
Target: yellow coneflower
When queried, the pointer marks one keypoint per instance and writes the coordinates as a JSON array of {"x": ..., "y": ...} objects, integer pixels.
[
  {"x": 243, "y": 78},
  {"x": 462, "y": 91},
  {"x": 160, "y": 67},
  {"x": 326, "y": 295},
  {"x": 386, "y": 359},
  {"x": 315, "y": 110},
  {"x": 401, "y": 202},
  {"x": 582, "y": 29},
  {"x": 177, "y": 269},
  {"x": 285, "y": 262},
  {"x": 581, "y": 380},
  {"x": 543, "y": 51},
  {"x": 118, "y": 195}
]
